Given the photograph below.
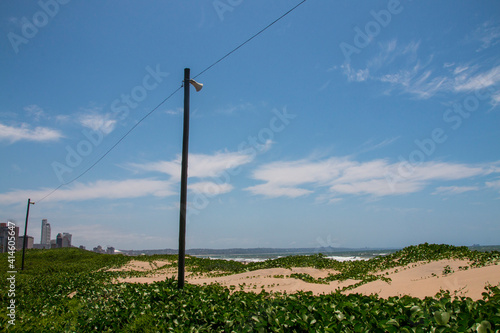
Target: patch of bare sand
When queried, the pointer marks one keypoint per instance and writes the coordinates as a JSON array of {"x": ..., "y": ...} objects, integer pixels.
[
  {"x": 427, "y": 279},
  {"x": 139, "y": 266},
  {"x": 274, "y": 280}
]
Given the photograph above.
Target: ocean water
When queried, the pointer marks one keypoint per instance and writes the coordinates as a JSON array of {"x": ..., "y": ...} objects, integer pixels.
[{"x": 246, "y": 258}]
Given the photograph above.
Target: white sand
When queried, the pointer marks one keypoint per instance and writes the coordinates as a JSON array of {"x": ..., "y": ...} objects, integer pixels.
[{"x": 417, "y": 280}]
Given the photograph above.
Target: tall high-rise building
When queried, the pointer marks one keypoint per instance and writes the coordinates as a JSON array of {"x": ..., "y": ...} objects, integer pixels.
[{"x": 45, "y": 232}]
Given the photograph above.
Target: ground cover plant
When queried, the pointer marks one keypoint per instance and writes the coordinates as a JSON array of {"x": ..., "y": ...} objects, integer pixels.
[{"x": 69, "y": 290}]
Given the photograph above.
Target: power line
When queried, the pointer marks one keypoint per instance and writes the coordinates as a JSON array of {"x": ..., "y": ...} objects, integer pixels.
[
  {"x": 112, "y": 147},
  {"x": 153, "y": 110},
  {"x": 249, "y": 39}
]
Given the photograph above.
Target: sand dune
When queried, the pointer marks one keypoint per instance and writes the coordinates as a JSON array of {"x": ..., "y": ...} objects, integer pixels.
[
  {"x": 418, "y": 279},
  {"x": 140, "y": 266},
  {"x": 428, "y": 279}
]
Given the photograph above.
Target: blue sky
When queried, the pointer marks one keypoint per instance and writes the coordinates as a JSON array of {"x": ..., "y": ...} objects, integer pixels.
[{"x": 346, "y": 123}]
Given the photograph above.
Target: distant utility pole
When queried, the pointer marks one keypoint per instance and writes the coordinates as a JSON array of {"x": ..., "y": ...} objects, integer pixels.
[
  {"x": 26, "y": 230},
  {"x": 184, "y": 176}
]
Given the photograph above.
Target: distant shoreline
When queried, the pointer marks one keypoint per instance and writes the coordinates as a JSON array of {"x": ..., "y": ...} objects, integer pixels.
[{"x": 276, "y": 252}]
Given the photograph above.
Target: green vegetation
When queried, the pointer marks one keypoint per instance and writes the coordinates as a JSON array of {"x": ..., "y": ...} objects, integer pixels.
[{"x": 68, "y": 290}]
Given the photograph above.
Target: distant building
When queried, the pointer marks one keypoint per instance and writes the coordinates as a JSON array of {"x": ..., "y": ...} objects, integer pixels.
[
  {"x": 82, "y": 247},
  {"x": 59, "y": 240},
  {"x": 110, "y": 250},
  {"x": 29, "y": 242},
  {"x": 45, "y": 239},
  {"x": 98, "y": 249},
  {"x": 66, "y": 240},
  {"x": 53, "y": 243},
  {"x": 4, "y": 237}
]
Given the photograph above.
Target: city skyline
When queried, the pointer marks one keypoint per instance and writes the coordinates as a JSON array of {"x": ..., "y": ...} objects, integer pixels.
[{"x": 350, "y": 124}]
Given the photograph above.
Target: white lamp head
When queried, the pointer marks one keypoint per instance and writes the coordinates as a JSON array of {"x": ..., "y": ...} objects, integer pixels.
[{"x": 196, "y": 85}]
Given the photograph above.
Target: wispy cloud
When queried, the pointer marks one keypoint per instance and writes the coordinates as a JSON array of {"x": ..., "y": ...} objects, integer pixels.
[
  {"x": 24, "y": 132},
  {"x": 494, "y": 184},
  {"x": 233, "y": 108},
  {"x": 101, "y": 189},
  {"x": 402, "y": 69},
  {"x": 8, "y": 114},
  {"x": 174, "y": 112},
  {"x": 496, "y": 98},
  {"x": 477, "y": 81},
  {"x": 451, "y": 190},
  {"x": 98, "y": 122},
  {"x": 34, "y": 112},
  {"x": 371, "y": 145},
  {"x": 354, "y": 75},
  {"x": 344, "y": 176},
  {"x": 274, "y": 190},
  {"x": 210, "y": 188},
  {"x": 487, "y": 34}
]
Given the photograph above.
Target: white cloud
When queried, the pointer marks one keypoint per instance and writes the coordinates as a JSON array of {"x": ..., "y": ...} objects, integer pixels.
[
  {"x": 212, "y": 169},
  {"x": 174, "y": 112},
  {"x": 478, "y": 81},
  {"x": 274, "y": 190},
  {"x": 282, "y": 178},
  {"x": 496, "y": 98},
  {"x": 63, "y": 118},
  {"x": 34, "y": 111},
  {"x": 460, "y": 69},
  {"x": 487, "y": 34},
  {"x": 416, "y": 77},
  {"x": 450, "y": 190},
  {"x": 101, "y": 189},
  {"x": 341, "y": 176},
  {"x": 13, "y": 134},
  {"x": 301, "y": 171},
  {"x": 369, "y": 145},
  {"x": 359, "y": 75},
  {"x": 446, "y": 171},
  {"x": 200, "y": 165},
  {"x": 210, "y": 188},
  {"x": 387, "y": 54},
  {"x": 494, "y": 184},
  {"x": 377, "y": 187},
  {"x": 98, "y": 122}
]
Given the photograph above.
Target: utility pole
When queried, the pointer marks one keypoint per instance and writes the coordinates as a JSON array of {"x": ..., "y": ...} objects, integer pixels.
[
  {"x": 184, "y": 176},
  {"x": 26, "y": 230}
]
